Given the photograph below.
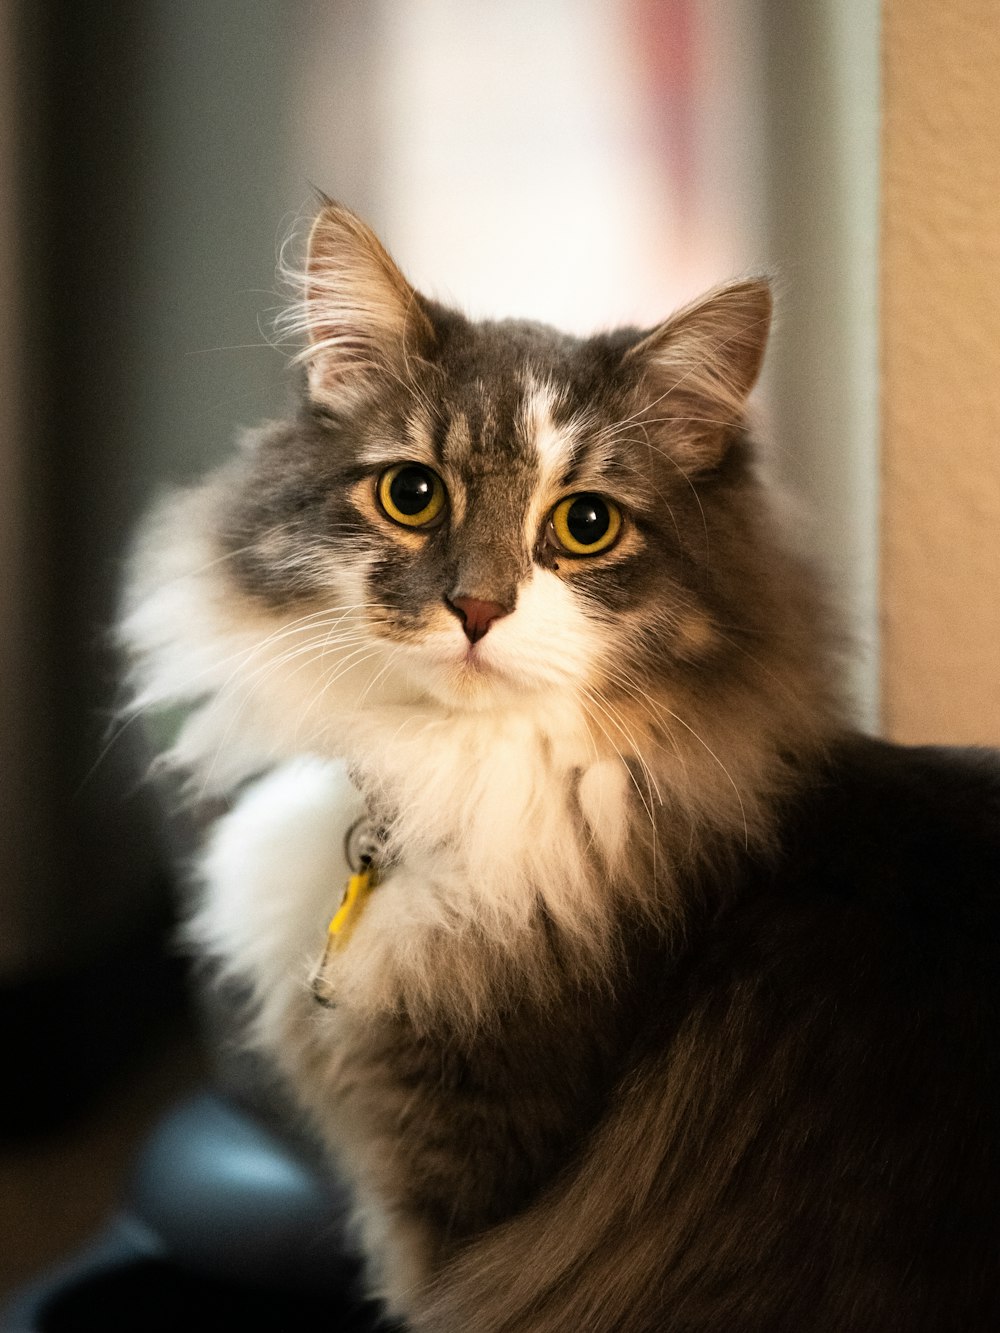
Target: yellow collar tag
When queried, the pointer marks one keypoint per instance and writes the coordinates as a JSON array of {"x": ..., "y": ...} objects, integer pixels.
[
  {"x": 351, "y": 906},
  {"x": 343, "y": 921}
]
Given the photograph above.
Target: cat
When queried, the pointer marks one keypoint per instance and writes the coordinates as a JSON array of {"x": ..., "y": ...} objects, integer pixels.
[{"x": 668, "y": 1002}]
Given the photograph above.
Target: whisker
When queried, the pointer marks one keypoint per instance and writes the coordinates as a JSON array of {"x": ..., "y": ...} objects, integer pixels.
[
  {"x": 701, "y": 740},
  {"x": 310, "y": 651},
  {"x": 135, "y": 712},
  {"x": 646, "y": 803}
]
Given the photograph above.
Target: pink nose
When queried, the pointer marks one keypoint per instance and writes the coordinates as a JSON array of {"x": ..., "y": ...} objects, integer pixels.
[{"x": 476, "y": 616}]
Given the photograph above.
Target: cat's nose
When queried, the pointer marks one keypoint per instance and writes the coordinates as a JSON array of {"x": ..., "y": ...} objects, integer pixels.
[{"x": 476, "y": 616}]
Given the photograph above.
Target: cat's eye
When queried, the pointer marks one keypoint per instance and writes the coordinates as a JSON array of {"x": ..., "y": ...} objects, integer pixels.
[
  {"x": 412, "y": 495},
  {"x": 585, "y": 525}
]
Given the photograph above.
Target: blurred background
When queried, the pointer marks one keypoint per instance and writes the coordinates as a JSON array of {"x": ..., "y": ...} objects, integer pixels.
[{"x": 586, "y": 162}]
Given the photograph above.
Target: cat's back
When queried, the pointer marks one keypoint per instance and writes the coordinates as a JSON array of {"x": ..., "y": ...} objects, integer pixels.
[
  {"x": 883, "y": 880},
  {"x": 889, "y": 865},
  {"x": 833, "y": 1131},
  {"x": 907, "y": 823}
]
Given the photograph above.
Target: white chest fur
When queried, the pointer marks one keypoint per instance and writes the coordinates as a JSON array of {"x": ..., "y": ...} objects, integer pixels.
[{"x": 490, "y": 813}]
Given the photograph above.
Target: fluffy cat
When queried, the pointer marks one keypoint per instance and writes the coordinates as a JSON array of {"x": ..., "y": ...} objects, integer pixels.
[{"x": 674, "y": 1004}]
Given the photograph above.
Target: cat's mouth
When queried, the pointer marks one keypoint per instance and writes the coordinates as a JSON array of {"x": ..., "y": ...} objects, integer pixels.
[
  {"x": 473, "y": 675},
  {"x": 474, "y": 659},
  {"x": 474, "y": 665}
]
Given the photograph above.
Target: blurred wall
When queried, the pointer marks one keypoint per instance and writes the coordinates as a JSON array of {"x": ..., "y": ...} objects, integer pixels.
[
  {"x": 822, "y": 94},
  {"x": 941, "y": 359},
  {"x": 19, "y": 840},
  {"x": 144, "y": 192}
]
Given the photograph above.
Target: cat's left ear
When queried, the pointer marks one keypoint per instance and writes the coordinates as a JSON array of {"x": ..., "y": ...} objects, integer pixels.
[
  {"x": 696, "y": 370},
  {"x": 361, "y": 315}
]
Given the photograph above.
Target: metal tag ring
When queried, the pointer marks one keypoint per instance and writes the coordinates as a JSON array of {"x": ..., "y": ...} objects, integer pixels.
[{"x": 361, "y": 844}]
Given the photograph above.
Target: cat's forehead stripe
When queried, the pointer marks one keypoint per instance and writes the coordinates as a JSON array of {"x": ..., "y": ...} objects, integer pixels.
[{"x": 553, "y": 443}]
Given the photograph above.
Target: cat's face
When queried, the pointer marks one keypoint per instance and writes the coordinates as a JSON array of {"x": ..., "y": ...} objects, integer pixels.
[{"x": 497, "y": 510}]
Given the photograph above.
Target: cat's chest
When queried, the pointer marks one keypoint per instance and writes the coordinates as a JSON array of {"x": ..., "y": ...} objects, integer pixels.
[
  {"x": 487, "y": 795},
  {"x": 497, "y": 835}
]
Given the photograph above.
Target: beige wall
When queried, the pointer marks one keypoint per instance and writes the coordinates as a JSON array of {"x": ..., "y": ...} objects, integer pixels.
[{"x": 941, "y": 370}]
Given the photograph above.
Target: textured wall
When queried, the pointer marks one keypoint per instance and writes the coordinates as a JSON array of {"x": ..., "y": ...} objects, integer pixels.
[{"x": 941, "y": 370}]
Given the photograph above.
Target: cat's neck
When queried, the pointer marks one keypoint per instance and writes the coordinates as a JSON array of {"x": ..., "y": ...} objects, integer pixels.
[{"x": 502, "y": 789}]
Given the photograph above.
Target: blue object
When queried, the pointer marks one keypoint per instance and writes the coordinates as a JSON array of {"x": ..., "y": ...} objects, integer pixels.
[{"x": 225, "y": 1228}]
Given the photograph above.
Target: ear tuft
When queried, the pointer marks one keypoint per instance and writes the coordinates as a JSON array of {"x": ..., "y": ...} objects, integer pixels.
[
  {"x": 358, "y": 311},
  {"x": 698, "y": 368}
]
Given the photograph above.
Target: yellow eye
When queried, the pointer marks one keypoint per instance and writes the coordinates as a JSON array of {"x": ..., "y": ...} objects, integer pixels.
[
  {"x": 585, "y": 524},
  {"x": 412, "y": 495}
]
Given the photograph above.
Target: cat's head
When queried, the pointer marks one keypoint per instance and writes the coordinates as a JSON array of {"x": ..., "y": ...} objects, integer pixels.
[
  {"x": 467, "y": 518},
  {"x": 496, "y": 509}
]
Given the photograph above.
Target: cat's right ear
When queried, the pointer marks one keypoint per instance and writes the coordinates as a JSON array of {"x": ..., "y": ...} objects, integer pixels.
[
  {"x": 697, "y": 370},
  {"x": 359, "y": 313}
]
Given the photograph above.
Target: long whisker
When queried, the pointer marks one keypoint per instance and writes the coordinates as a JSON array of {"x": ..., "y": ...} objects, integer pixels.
[
  {"x": 701, "y": 740},
  {"x": 135, "y": 712},
  {"x": 647, "y": 805},
  {"x": 661, "y": 708},
  {"x": 352, "y": 661},
  {"x": 311, "y": 651},
  {"x": 646, "y": 800},
  {"x": 615, "y": 717},
  {"x": 317, "y": 620}
]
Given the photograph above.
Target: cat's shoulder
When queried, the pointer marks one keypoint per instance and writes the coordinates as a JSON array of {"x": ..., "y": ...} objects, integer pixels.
[
  {"x": 874, "y": 920},
  {"x": 920, "y": 820},
  {"x": 885, "y": 872}
]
